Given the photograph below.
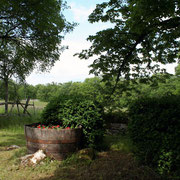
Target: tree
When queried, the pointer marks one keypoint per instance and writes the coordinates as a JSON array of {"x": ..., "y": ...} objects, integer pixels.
[
  {"x": 177, "y": 70},
  {"x": 31, "y": 32},
  {"x": 47, "y": 92},
  {"x": 145, "y": 34}
]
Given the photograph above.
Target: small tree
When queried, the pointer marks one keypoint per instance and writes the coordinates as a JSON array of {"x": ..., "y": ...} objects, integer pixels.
[{"x": 30, "y": 35}]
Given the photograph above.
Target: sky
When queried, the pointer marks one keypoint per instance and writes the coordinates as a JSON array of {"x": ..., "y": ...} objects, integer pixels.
[{"x": 69, "y": 67}]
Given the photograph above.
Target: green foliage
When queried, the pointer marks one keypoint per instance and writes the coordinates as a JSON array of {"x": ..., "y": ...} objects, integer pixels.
[
  {"x": 18, "y": 90},
  {"x": 30, "y": 33},
  {"x": 177, "y": 70},
  {"x": 91, "y": 87},
  {"x": 143, "y": 34},
  {"x": 165, "y": 163},
  {"x": 77, "y": 111},
  {"x": 12, "y": 93},
  {"x": 46, "y": 92},
  {"x": 30, "y": 36},
  {"x": 154, "y": 129}
]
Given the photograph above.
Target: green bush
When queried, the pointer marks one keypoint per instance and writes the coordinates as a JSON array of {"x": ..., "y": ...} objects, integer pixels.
[
  {"x": 73, "y": 112},
  {"x": 154, "y": 128}
]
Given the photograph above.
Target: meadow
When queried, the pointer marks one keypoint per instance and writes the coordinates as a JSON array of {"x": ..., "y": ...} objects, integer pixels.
[{"x": 115, "y": 162}]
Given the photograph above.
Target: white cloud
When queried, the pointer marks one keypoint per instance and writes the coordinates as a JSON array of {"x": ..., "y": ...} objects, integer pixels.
[
  {"x": 69, "y": 68},
  {"x": 80, "y": 13},
  {"x": 170, "y": 68}
]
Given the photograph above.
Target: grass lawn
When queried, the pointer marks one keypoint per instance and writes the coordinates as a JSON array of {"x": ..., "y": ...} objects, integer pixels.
[{"x": 116, "y": 163}]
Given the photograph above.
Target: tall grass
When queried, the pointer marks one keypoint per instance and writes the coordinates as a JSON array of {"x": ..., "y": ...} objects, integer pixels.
[
  {"x": 12, "y": 126},
  {"x": 15, "y": 122},
  {"x": 12, "y": 129}
]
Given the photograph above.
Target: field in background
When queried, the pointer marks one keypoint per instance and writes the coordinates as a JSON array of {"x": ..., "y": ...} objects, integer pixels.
[
  {"x": 14, "y": 123},
  {"x": 38, "y": 106}
]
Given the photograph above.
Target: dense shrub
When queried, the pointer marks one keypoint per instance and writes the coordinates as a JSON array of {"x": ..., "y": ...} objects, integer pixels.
[
  {"x": 77, "y": 111},
  {"x": 154, "y": 128}
]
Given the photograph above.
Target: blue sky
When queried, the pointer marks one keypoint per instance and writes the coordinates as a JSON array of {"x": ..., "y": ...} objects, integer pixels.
[{"x": 70, "y": 68}]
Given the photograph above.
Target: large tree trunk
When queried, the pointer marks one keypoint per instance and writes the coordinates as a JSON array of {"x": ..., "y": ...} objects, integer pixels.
[{"x": 6, "y": 94}]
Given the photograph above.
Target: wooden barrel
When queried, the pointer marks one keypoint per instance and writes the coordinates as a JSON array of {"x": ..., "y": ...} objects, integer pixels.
[{"x": 57, "y": 143}]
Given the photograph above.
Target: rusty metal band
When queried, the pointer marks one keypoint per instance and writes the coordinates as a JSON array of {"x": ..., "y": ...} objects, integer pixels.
[{"x": 52, "y": 141}]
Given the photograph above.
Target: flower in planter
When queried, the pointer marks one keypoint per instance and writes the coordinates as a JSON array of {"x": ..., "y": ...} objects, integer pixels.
[
  {"x": 39, "y": 126},
  {"x": 49, "y": 139}
]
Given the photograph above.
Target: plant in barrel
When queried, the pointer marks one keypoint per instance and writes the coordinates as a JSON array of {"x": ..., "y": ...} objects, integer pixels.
[{"x": 67, "y": 124}]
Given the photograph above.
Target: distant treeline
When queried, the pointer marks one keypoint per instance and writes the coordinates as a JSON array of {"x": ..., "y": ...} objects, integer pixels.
[{"x": 96, "y": 89}]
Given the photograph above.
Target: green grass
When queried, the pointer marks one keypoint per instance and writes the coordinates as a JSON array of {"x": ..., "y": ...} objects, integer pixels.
[
  {"x": 38, "y": 106},
  {"x": 110, "y": 164},
  {"x": 116, "y": 162},
  {"x": 107, "y": 165},
  {"x": 15, "y": 124},
  {"x": 119, "y": 143}
]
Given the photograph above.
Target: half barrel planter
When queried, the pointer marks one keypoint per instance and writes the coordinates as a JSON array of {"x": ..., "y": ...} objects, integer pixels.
[{"x": 56, "y": 143}]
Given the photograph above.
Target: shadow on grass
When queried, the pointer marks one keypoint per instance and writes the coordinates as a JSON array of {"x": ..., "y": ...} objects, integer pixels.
[
  {"x": 118, "y": 142},
  {"x": 114, "y": 165},
  {"x": 7, "y": 139},
  {"x": 116, "y": 162}
]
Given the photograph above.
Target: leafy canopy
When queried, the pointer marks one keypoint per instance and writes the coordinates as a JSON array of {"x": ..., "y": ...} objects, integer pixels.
[
  {"x": 145, "y": 33},
  {"x": 31, "y": 32}
]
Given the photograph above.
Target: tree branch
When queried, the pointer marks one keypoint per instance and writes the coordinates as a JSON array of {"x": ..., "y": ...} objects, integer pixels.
[
  {"x": 129, "y": 54},
  {"x": 166, "y": 24},
  {"x": 11, "y": 29},
  {"x": 169, "y": 23}
]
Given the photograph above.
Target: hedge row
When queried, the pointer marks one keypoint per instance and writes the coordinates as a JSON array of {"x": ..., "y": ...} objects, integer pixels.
[{"x": 154, "y": 128}]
